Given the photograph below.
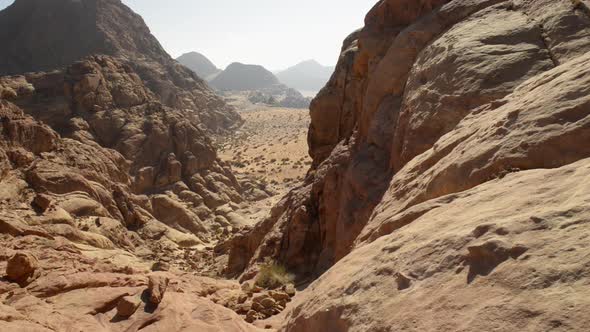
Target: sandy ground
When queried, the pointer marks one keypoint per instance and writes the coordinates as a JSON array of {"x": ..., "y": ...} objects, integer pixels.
[{"x": 271, "y": 148}]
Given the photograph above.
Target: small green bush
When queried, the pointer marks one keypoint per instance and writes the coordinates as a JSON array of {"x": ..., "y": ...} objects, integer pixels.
[{"x": 272, "y": 276}]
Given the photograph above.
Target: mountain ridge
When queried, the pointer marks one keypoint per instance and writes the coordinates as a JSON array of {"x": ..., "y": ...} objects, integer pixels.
[
  {"x": 238, "y": 76},
  {"x": 200, "y": 64},
  {"x": 261, "y": 84},
  {"x": 308, "y": 75}
]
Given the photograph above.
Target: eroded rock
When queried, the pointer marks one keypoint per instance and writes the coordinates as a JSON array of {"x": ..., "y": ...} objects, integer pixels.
[
  {"x": 157, "y": 286},
  {"x": 21, "y": 267},
  {"x": 127, "y": 306}
]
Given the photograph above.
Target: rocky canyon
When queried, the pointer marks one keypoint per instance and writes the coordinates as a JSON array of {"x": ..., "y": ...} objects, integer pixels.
[{"x": 446, "y": 187}]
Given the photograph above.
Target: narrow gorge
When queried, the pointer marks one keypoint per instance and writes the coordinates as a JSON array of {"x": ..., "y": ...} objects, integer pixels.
[{"x": 446, "y": 187}]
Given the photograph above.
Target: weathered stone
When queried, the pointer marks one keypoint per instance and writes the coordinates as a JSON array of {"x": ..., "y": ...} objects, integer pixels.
[
  {"x": 290, "y": 289},
  {"x": 441, "y": 116},
  {"x": 127, "y": 306},
  {"x": 157, "y": 286},
  {"x": 251, "y": 316},
  {"x": 243, "y": 308},
  {"x": 279, "y": 296},
  {"x": 21, "y": 267},
  {"x": 42, "y": 202}
]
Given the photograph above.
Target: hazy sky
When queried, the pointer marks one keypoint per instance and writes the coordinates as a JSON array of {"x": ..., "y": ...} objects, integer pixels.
[{"x": 273, "y": 33}]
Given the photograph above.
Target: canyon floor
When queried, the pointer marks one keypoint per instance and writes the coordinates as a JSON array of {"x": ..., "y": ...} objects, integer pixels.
[{"x": 270, "y": 148}]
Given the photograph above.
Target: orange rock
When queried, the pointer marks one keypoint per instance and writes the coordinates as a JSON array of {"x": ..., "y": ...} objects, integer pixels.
[
  {"x": 157, "y": 286},
  {"x": 21, "y": 267},
  {"x": 127, "y": 306}
]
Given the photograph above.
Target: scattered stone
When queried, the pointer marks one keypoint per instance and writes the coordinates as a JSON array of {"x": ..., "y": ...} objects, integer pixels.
[
  {"x": 251, "y": 316},
  {"x": 243, "y": 308},
  {"x": 250, "y": 287},
  {"x": 242, "y": 298},
  {"x": 247, "y": 286},
  {"x": 268, "y": 302},
  {"x": 279, "y": 296}
]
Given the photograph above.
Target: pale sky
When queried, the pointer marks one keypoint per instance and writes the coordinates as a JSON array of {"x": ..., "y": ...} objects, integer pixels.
[{"x": 272, "y": 33}]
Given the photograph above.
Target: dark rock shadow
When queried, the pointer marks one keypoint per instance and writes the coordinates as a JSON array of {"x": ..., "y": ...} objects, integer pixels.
[
  {"x": 149, "y": 307},
  {"x": 118, "y": 318},
  {"x": 484, "y": 258},
  {"x": 24, "y": 282}
]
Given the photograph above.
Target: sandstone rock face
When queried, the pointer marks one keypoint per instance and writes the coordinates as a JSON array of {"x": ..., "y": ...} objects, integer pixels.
[
  {"x": 90, "y": 240},
  {"x": 447, "y": 148},
  {"x": 497, "y": 252},
  {"x": 92, "y": 153},
  {"x": 76, "y": 291},
  {"x": 127, "y": 143},
  {"x": 101, "y": 102}
]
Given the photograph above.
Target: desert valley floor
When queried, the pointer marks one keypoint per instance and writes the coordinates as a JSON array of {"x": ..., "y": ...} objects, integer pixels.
[{"x": 271, "y": 148}]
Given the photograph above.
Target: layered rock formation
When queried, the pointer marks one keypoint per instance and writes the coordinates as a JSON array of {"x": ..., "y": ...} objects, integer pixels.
[
  {"x": 101, "y": 102},
  {"x": 107, "y": 173},
  {"x": 447, "y": 176},
  {"x": 447, "y": 190},
  {"x": 76, "y": 242}
]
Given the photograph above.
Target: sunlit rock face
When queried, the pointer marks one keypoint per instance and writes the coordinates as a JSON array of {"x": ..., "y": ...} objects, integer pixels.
[
  {"x": 110, "y": 186},
  {"x": 448, "y": 148}
]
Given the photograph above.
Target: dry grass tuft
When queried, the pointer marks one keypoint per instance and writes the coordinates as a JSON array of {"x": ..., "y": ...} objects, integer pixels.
[{"x": 272, "y": 276}]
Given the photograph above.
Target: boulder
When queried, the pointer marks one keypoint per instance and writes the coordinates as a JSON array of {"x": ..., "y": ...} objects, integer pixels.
[
  {"x": 42, "y": 201},
  {"x": 290, "y": 290},
  {"x": 21, "y": 267},
  {"x": 157, "y": 286},
  {"x": 279, "y": 296}
]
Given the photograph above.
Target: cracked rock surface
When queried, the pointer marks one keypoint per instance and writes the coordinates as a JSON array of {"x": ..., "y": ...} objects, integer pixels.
[{"x": 447, "y": 185}]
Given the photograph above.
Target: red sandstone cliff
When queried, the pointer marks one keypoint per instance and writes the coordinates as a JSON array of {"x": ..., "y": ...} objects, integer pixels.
[{"x": 446, "y": 190}]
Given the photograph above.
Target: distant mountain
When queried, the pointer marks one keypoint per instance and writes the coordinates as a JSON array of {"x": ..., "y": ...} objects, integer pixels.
[
  {"x": 198, "y": 63},
  {"x": 306, "y": 76},
  {"x": 241, "y": 77},
  {"x": 261, "y": 84}
]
